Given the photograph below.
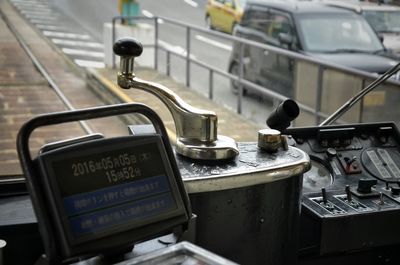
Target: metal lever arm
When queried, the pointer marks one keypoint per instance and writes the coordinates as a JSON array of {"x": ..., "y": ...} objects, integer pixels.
[
  {"x": 196, "y": 129},
  {"x": 191, "y": 123}
]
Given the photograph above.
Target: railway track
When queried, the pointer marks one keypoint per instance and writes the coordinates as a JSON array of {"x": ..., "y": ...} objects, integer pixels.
[{"x": 36, "y": 79}]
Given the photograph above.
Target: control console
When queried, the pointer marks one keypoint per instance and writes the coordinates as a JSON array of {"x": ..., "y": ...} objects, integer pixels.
[{"x": 351, "y": 195}]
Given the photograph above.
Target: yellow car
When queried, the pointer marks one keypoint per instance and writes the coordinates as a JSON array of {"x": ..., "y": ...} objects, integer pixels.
[{"x": 224, "y": 15}]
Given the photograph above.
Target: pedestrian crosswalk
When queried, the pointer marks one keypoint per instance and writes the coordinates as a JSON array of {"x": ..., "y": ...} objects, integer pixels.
[{"x": 64, "y": 32}]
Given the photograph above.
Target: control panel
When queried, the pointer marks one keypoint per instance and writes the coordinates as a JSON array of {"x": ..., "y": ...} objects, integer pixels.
[{"x": 351, "y": 194}]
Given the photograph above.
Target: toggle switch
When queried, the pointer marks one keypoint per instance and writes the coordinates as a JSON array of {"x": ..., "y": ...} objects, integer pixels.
[
  {"x": 326, "y": 204},
  {"x": 381, "y": 200},
  {"x": 351, "y": 202},
  {"x": 349, "y": 160},
  {"x": 324, "y": 197},
  {"x": 349, "y": 163},
  {"x": 348, "y": 193}
]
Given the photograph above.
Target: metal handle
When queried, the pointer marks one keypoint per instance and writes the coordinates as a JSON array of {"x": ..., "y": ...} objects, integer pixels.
[{"x": 196, "y": 129}]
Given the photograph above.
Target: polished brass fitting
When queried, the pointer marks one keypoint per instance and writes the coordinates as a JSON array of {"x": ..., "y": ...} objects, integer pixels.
[{"x": 196, "y": 129}]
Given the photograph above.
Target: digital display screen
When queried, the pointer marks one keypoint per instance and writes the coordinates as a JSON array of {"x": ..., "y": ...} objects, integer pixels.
[{"x": 111, "y": 185}]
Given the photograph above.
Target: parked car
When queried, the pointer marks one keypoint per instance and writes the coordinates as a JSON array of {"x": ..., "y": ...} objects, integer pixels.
[
  {"x": 224, "y": 15},
  {"x": 332, "y": 34},
  {"x": 384, "y": 19}
]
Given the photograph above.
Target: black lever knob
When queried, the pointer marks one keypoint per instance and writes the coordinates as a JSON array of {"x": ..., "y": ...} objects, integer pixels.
[
  {"x": 128, "y": 47},
  {"x": 280, "y": 119},
  {"x": 365, "y": 185}
]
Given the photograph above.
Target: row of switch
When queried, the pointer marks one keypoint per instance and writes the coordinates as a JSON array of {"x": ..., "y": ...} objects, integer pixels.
[{"x": 364, "y": 189}]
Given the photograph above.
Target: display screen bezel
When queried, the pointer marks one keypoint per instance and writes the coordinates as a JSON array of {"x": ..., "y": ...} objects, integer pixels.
[{"x": 55, "y": 199}]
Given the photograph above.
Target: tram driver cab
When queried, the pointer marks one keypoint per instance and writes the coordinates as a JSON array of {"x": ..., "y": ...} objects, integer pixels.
[
  {"x": 100, "y": 196},
  {"x": 289, "y": 198},
  {"x": 102, "y": 200}
]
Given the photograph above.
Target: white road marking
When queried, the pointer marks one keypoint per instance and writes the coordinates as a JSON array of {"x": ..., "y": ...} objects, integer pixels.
[
  {"x": 175, "y": 48},
  {"x": 35, "y": 11},
  {"x": 41, "y": 17},
  {"x": 38, "y": 12},
  {"x": 83, "y": 53},
  {"x": 65, "y": 35},
  {"x": 92, "y": 64},
  {"x": 77, "y": 43},
  {"x": 214, "y": 43},
  {"x": 191, "y": 3},
  {"x": 150, "y": 15},
  {"x": 41, "y": 21},
  {"x": 49, "y": 27},
  {"x": 31, "y": 2},
  {"x": 147, "y": 14},
  {"x": 30, "y": 6}
]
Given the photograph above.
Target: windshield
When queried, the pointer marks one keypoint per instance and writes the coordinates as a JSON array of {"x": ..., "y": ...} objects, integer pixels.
[
  {"x": 322, "y": 33},
  {"x": 245, "y": 74},
  {"x": 384, "y": 21}
]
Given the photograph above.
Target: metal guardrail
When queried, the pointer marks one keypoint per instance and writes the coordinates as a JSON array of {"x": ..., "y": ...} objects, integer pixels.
[{"x": 316, "y": 111}]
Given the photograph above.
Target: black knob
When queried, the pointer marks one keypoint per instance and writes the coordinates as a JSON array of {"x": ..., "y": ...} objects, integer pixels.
[
  {"x": 395, "y": 190},
  {"x": 128, "y": 47},
  {"x": 365, "y": 185},
  {"x": 280, "y": 119}
]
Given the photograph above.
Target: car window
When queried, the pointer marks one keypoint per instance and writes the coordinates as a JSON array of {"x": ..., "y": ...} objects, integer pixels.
[
  {"x": 278, "y": 23},
  {"x": 330, "y": 33},
  {"x": 257, "y": 18},
  {"x": 383, "y": 21}
]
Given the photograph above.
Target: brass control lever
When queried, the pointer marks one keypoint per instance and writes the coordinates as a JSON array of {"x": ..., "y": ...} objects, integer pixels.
[{"x": 196, "y": 129}]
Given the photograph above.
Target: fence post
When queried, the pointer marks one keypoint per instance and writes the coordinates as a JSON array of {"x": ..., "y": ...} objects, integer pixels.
[
  {"x": 319, "y": 94},
  {"x": 241, "y": 72},
  {"x": 113, "y": 41},
  {"x": 156, "y": 43},
  {"x": 360, "y": 117},
  {"x": 188, "y": 56},
  {"x": 210, "y": 84},
  {"x": 168, "y": 63}
]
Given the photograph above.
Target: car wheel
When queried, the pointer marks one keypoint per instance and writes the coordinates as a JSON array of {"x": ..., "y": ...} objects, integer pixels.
[
  {"x": 208, "y": 23},
  {"x": 234, "y": 70}
]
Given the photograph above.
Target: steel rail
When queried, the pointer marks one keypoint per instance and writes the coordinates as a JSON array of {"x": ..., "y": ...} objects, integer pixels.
[{"x": 43, "y": 71}]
